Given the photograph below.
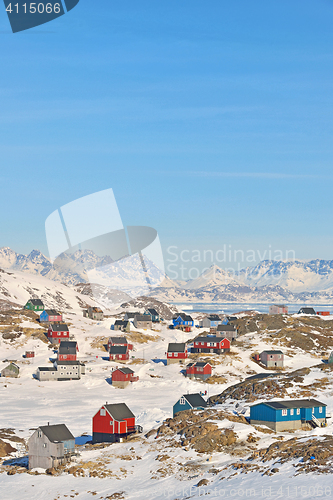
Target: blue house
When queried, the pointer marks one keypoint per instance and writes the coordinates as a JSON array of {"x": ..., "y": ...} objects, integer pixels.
[
  {"x": 182, "y": 320},
  {"x": 189, "y": 402},
  {"x": 285, "y": 415}
]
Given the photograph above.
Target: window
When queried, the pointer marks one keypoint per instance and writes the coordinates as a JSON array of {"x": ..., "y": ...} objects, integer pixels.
[
  {"x": 39, "y": 434},
  {"x": 58, "y": 333},
  {"x": 298, "y": 411},
  {"x": 102, "y": 412},
  {"x": 111, "y": 422},
  {"x": 182, "y": 401},
  {"x": 312, "y": 410},
  {"x": 44, "y": 445},
  {"x": 65, "y": 357},
  {"x": 284, "y": 413},
  {"x": 291, "y": 411},
  {"x": 320, "y": 409},
  {"x": 175, "y": 354}
]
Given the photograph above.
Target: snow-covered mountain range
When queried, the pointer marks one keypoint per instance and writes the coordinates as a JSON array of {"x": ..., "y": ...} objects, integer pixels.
[{"x": 282, "y": 281}]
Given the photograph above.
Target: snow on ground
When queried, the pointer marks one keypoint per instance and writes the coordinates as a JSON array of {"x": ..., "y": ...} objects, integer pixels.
[{"x": 28, "y": 403}]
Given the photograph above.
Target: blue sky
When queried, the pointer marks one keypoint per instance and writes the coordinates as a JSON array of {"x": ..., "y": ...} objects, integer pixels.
[{"x": 211, "y": 121}]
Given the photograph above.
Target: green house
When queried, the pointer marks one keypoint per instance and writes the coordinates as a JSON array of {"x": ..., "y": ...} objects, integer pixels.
[
  {"x": 12, "y": 370},
  {"x": 34, "y": 305}
]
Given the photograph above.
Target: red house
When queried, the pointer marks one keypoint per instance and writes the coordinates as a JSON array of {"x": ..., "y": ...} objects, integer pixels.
[
  {"x": 58, "y": 332},
  {"x": 216, "y": 345},
  {"x": 118, "y": 353},
  {"x": 119, "y": 341},
  {"x": 200, "y": 369},
  {"x": 67, "y": 350},
  {"x": 113, "y": 422},
  {"x": 121, "y": 377},
  {"x": 176, "y": 352}
]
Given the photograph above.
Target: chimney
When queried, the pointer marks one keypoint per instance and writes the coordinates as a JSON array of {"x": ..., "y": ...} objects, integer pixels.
[{"x": 48, "y": 423}]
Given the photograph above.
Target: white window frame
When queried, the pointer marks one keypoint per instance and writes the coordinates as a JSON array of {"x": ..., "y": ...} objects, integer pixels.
[
  {"x": 182, "y": 401},
  {"x": 320, "y": 409},
  {"x": 298, "y": 411},
  {"x": 284, "y": 413},
  {"x": 291, "y": 411},
  {"x": 102, "y": 412}
]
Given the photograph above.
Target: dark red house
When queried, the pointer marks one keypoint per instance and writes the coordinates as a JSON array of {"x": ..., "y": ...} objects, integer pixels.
[
  {"x": 216, "y": 345},
  {"x": 119, "y": 341},
  {"x": 176, "y": 352},
  {"x": 118, "y": 353},
  {"x": 200, "y": 369},
  {"x": 121, "y": 377},
  {"x": 58, "y": 332},
  {"x": 113, "y": 422},
  {"x": 67, "y": 350}
]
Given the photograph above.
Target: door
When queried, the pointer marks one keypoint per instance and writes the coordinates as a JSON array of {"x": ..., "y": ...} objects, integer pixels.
[{"x": 123, "y": 427}]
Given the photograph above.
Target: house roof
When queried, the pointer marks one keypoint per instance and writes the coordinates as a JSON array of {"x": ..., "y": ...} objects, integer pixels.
[
  {"x": 131, "y": 314},
  {"x": 152, "y": 311},
  {"x": 36, "y": 302},
  {"x": 68, "y": 363},
  {"x": 214, "y": 317},
  {"x": 95, "y": 309},
  {"x": 226, "y": 328},
  {"x": 185, "y": 317},
  {"x": 51, "y": 312},
  {"x": 298, "y": 403},
  {"x": 57, "y": 433},
  {"x": 118, "y": 349},
  {"x": 142, "y": 317},
  {"x": 120, "y": 322},
  {"x": 47, "y": 369},
  {"x": 209, "y": 339},
  {"x": 59, "y": 327},
  {"x": 125, "y": 370},
  {"x": 67, "y": 347},
  {"x": 272, "y": 352},
  {"x": 279, "y": 305},
  {"x": 118, "y": 340},
  {"x": 119, "y": 411},
  {"x": 176, "y": 347},
  {"x": 198, "y": 364},
  {"x": 306, "y": 310},
  {"x": 195, "y": 400}
]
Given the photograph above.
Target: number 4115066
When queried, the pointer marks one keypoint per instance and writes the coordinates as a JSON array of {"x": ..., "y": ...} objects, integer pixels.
[{"x": 33, "y": 8}]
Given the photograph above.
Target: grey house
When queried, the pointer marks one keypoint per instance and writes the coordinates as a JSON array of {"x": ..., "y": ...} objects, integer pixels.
[
  {"x": 211, "y": 321},
  {"x": 142, "y": 321},
  {"x": 272, "y": 359},
  {"x": 45, "y": 373},
  {"x": 62, "y": 370},
  {"x": 50, "y": 446},
  {"x": 12, "y": 370},
  {"x": 123, "y": 326},
  {"x": 94, "y": 313},
  {"x": 129, "y": 316},
  {"x": 68, "y": 370},
  {"x": 227, "y": 331}
]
